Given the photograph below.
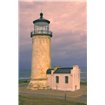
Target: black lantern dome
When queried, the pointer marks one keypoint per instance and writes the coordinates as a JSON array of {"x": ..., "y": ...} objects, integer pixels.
[{"x": 41, "y": 19}]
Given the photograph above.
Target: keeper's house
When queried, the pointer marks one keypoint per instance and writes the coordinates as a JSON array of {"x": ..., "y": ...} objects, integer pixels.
[{"x": 65, "y": 79}]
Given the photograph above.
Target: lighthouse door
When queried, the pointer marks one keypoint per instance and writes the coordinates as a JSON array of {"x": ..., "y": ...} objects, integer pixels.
[{"x": 75, "y": 87}]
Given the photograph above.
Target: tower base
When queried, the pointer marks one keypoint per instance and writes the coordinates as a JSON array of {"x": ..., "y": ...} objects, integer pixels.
[{"x": 38, "y": 84}]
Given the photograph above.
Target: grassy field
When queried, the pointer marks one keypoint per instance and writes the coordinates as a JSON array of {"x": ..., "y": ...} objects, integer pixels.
[
  {"x": 30, "y": 100},
  {"x": 51, "y": 97}
]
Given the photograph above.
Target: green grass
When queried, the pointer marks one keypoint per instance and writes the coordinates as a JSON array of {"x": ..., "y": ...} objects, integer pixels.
[
  {"x": 83, "y": 83},
  {"x": 23, "y": 81},
  {"x": 30, "y": 100},
  {"x": 49, "y": 97}
]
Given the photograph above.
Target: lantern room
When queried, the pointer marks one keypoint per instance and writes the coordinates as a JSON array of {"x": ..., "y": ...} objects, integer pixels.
[{"x": 41, "y": 27}]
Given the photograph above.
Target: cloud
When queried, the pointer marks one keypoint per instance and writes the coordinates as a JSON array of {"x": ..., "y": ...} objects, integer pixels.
[
  {"x": 68, "y": 24},
  {"x": 72, "y": 18}
]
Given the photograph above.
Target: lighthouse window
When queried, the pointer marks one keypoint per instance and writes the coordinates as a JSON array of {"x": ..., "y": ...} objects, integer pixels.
[
  {"x": 46, "y": 28},
  {"x": 78, "y": 76},
  {"x": 57, "y": 79}
]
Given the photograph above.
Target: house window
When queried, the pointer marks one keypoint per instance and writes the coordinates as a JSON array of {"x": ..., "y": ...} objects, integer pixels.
[
  {"x": 66, "y": 79},
  {"x": 57, "y": 79}
]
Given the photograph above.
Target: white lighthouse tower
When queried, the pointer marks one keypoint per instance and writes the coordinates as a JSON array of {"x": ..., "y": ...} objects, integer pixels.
[{"x": 41, "y": 53}]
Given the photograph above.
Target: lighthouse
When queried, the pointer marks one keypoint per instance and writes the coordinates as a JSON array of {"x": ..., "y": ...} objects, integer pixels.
[{"x": 41, "y": 53}]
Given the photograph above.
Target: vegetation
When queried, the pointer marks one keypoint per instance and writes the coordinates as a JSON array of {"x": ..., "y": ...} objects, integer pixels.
[
  {"x": 51, "y": 97},
  {"x": 23, "y": 81},
  {"x": 83, "y": 82},
  {"x": 30, "y": 100}
]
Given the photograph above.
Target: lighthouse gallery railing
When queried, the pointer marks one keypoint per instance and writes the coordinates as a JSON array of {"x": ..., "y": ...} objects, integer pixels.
[{"x": 41, "y": 32}]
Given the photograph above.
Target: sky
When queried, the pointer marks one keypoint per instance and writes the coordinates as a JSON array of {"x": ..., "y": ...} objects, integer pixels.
[{"x": 68, "y": 24}]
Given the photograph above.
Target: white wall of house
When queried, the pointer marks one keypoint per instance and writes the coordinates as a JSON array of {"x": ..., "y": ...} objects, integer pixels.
[
  {"x": 62, "y": 85},
  {"x": 75, "y": 73},
  {"x": 73, "y": 80}
]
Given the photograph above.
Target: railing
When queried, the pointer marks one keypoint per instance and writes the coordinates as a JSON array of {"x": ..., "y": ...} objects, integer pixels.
[{"x": 41, "y": 32}]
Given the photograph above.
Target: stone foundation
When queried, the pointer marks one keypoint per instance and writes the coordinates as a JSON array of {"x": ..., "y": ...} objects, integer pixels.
[{"x": 38, "y": 84}]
